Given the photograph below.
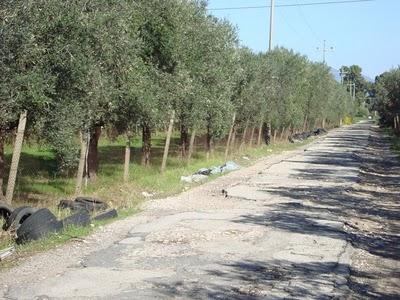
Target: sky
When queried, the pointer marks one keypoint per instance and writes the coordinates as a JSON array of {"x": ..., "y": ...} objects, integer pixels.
[{"x": 365, "y": 33}]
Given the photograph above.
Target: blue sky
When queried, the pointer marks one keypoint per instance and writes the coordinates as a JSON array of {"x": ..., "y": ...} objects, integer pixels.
[{"x": 366, "y": 33}]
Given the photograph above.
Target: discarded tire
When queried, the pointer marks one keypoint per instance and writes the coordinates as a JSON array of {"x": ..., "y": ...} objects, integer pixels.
[
  {"x": 5, "y": 211},
  {"x": 91, "y": 204},
  {"x": 38, "y": 225},
  {"x": 81, "y": 218},
  {"x": 18, "y": 216},
  {"x": 67, "y": 204},
  {"x": 109, "y": 214}
]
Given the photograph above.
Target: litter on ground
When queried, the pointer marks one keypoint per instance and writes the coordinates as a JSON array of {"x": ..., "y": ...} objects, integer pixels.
[{"x": 203, "y": 173}]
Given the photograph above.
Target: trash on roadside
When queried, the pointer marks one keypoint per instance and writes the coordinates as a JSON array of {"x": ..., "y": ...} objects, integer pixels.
[
  {"x": 302, "y": 136},
  {"x": 203, "y": 173},
  {"x": 194, "y": 178},
  {"x": 147, "y": 195},
  {"x": 229, "y": 166},
  {"x": 215, "y": 170},
  {"x": 27, "y": 223},
  {"x": 83, "y": 203}
]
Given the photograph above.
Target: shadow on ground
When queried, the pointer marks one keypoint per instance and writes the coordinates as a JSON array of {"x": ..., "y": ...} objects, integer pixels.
[
  {"x": 369, "y": 210},
  {"x": 276, "y": 279}
]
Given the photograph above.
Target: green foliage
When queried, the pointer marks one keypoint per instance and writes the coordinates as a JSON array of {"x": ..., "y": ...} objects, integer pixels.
[
  {"x": 75, "y": 65},
  {"x": 387, "y": 96}
]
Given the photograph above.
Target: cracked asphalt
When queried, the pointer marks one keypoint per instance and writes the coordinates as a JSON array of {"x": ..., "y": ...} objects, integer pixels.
[{"x": 315, "y": 223}]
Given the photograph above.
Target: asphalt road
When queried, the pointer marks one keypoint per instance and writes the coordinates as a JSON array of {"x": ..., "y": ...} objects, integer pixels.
[{"x": 301, "y": 225}]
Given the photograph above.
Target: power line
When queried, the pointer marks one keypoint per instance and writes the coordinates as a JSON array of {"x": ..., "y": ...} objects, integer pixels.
[
  {"x": 285, "y": 20},
  {"x": 300, "y": 12},
  {"x": 288, "y": 5}
]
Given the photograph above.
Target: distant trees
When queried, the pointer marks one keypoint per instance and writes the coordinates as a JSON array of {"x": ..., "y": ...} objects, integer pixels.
[{"x": 78, "y": 66}]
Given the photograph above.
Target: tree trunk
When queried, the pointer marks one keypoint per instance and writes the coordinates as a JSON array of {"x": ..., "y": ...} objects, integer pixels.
[
  {"x": 252, "y": 136},
  {"x": 2, "y": 163},
  {"x": 282, "y": 133},
  {"x": 127, "y": 156},
  {"x": 260, "y": 129},
  {"x": 398, "y": 124},
  {"x": 275, "y": 132},
  {"x": 81, "y": 166},
  {"x": 146, "y": 144},
  {"x": 233, "y": 140},
  {"x": 191, "y": 145},
  {"x": 16, "y": 156},
  {"x": 208, "y": 143},
  {"x": 184, "y": 141},
  {"x": 244, "y": 136},
  {"x": 305, "y": 123},
  {"x": 267, "y": 133},
  {"x": 323, "y": 123},
  {"x": 167, "y": 142},
  {"x": 93, "y": 153},
  {"x": 230, "y": 136},
  {"x": 289, "y": 132}
]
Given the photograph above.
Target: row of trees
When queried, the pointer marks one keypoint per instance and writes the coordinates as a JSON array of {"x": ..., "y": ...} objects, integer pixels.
[
  {"x": 387, "y": 98},
  {"x": 77, "y": 66}
]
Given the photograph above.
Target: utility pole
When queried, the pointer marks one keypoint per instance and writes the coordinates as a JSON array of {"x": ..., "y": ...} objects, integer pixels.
[
  {"x": 271, "y": 30},
  {"x": 352, "y": 89},
  {"x": 324, "y": 49},
  {"x": 271, "y": 24},
  {"x": 342, "y": 75}
]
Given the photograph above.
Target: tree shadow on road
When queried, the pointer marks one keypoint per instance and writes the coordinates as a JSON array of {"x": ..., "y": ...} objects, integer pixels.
[
  {"x": 275, "y": 279},
  {"x": 369, "y": 210}
]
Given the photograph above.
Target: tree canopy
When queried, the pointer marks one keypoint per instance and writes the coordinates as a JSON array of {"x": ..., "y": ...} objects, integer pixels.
[{"x": 77, "y": 66}]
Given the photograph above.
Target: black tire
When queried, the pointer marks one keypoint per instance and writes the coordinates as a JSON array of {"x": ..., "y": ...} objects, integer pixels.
[
  {"x": 38, "y": 225},
  {"x": 5, "y": 211},
  {"x": 91, "y": 204},
  {"x": 109, "y": 214},
  {"x": 18, "y": 216},
  {"x": 81, "y": 218},
  {"x": 66, "y": 204},
  {"x": 72, "y": 205}
]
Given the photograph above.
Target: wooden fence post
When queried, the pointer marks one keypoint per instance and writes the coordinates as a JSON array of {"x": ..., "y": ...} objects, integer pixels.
[
  {"x": 127, "y": 157},
  {"x": 191, "y": 144},
  {"x": 167, "y": 142},
  {"x": 230, "y": 135},
  {"x": 16, "y": 157},
  {"x": 81, "y": 166}
]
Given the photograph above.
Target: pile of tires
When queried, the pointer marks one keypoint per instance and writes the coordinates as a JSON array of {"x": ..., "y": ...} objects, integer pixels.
[
  {"x": 28, "y": 223},
  {"x": 88, "y": 204},
  {"x": 5, "y": 211},
  {"x": 300, "y": 137},
  {"x": 38, "y": 225},
  {"x": 83, "y": 206}
]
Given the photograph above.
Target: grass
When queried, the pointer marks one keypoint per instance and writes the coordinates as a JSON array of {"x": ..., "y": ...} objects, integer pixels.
[
  {"x": 40, "y": 185},
  {"x": 394, "y": 140}
]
